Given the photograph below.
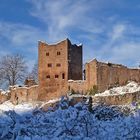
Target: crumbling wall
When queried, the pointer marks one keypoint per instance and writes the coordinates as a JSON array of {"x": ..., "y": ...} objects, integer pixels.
[
  {"x": 52, "y": 69},
  {"x": 50, "y": 93},
  {"x": 123, "y": 99},
  {"x": 4, "y": 96},
  {"x": 110, "y": 75},
  {"x": 91, "y": 74},
  {"x": 75, "y": 61},
  {"x": 57, "y": 64},
  {"x": 24, "y": 94},
  {"x": 134, "y": 75},
  {"x": 19, "y": 95},
  {"x": 107, "y": 75},
  {"x": 78, "y": 86},
  {"x": 33, "y": 92},
  {"x": 30, "y": 82}
]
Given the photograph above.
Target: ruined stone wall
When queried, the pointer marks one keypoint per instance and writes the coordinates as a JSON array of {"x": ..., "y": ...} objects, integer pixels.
[
  {"x": 56, "y": 94},
  {"x": 53, "y": 68},
  {"x": 57, "y": 64},
  {"x": 33, "y": 92},
  {"x": 107, "y": 75},
  {"x": 75, "y": 60},
  {"x": 3, "y": 97},
  {"x": 30, "y": 82},
  {"x": 124, "y": 99},
  {"x": 91, "y": 74},
  {"x": 24, "y": 94},
  {"x": 78, "y": 86},
  {"x": 110, "y": 75},
  {"x": 134, "y": 75},
  {"x": 19, "y": 95}
]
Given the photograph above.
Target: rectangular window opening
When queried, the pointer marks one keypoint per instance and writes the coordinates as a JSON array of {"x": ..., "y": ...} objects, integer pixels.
[
  {"x": 63, "y": 76},
  {"x": 48, "y": 76},
  {"x": 47, "y": 53},
  {"x": 49, "y": 65},
  {"x": 56, "y": 76},
  {"x": 58, "y": 65},
  {"x": 58, "y": 53}
]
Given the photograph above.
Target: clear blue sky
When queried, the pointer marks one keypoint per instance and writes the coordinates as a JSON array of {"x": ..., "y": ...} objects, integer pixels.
[{"x": 108, "y": 29}]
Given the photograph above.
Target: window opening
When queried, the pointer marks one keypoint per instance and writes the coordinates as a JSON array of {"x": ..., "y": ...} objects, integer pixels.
[
  {"x": 47, "y": 53},
  {"x": 48, "y": 76},
  {"x": 56, "y": 76},
  {"x": 58, "y": 65},
  {"x": 49, "y": 65},
  {"x": 63, "y": 76},
  {"x": 58, "y": 53}
]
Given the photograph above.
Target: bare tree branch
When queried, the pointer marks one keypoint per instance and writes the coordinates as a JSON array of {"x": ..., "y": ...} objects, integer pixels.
[
  {"x": 13, "y": 69},
  {"x": 34, "y": 72}
]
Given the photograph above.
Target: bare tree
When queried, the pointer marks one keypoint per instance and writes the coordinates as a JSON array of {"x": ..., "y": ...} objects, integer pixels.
[
  {"x": 13, "y": 69},
  {"x": 34, "y": 72}
]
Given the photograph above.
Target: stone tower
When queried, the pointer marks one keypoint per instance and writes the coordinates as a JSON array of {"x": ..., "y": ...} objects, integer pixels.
[{"x": 57, "y": 63}]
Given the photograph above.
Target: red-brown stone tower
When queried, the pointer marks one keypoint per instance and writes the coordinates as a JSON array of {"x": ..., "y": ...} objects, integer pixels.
[{"x": 57, "y": 63}]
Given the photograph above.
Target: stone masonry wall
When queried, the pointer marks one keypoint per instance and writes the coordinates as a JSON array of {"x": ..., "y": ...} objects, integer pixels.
[
  {"x": 24, "y": 94},
  {"x": 75, "y": 62},
  {"x": 124, "y": 99},
  {"x": 107, "y": 75},
  {"x": 78, "y": 86},
  {"x": 57, "y": 64},
  {"x": 3, "y": 97},
  {"x": 91, "y": 74},
  {"x": 52, "y": 62},
  {"x": 110, "y": 75},
  {"x": 30, "y": 82}
]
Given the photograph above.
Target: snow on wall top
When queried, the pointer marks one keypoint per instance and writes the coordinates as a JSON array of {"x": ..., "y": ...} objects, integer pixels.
[{"x": 129, "y": 88}]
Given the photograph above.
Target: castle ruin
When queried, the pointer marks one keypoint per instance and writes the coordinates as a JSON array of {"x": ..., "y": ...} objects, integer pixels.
[
  {"x": 60, "y": 72},
  {"x": 58, "y": 63}
]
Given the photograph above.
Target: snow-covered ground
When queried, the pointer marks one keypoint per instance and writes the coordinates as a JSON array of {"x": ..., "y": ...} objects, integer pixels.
[
  {"x": 19, "y": 109},
  {"x": 129, "y": 88},
  {"x": 26, "y": 122}
]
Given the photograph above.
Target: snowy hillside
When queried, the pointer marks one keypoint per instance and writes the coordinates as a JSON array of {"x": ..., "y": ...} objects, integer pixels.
[
  {"x": 26, "y": 122},
  {"x": 129, "y": 88}
]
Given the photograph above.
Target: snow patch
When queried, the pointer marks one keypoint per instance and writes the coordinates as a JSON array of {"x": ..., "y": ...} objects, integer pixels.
[
  {"x": 129, "y": 88},
  {"x": 20, "y": 108}
]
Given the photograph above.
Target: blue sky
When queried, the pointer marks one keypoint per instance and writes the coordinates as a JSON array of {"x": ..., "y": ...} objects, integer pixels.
[{"x": 108, "y": 29}]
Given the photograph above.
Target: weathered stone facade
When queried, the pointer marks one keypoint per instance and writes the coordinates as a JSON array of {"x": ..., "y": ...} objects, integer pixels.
[
  {"x": 30, "y": 82},
  {"x": 107, "y": 75},
  {"x": 57, "y": 63},
  {"x": 78, "y": 86},
  {"x": 4, "y": 96},
  {"x": 24, "y": 94},
  {"x": 60, "y": 70},
  {"x": 124, "y": 99}
]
